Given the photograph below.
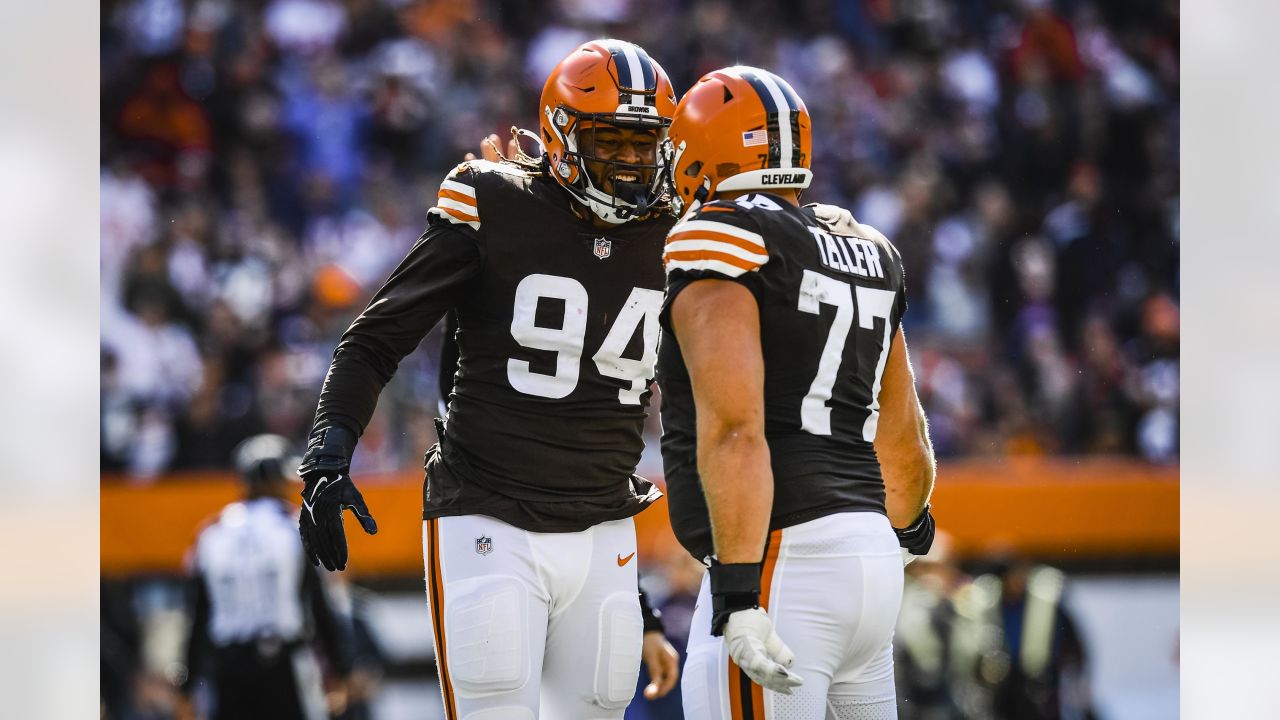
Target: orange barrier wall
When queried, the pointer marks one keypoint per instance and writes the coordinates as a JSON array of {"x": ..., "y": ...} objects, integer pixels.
[{"x": 1054, "y": 508}]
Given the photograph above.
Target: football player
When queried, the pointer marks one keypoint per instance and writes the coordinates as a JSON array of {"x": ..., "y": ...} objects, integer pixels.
[
  {"x": 793, "y": 441},
  {"x": 552, "y": 269}
]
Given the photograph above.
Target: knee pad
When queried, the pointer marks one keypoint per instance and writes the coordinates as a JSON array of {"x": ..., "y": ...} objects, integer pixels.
[
  {"x": 487, "y": 635},
  {"x": 618, "y": 659}
]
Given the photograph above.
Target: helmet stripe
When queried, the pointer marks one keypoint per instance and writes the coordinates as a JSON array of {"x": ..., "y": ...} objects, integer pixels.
[
  {"x": 794, "y": 101},
  {"x": 772, "y": 124},
  {"x": 620, "y": 63},
  {"x": 650, "y": 76},
  {"x": 786, "y": 142},
  {"x": 634, "y": 70}
]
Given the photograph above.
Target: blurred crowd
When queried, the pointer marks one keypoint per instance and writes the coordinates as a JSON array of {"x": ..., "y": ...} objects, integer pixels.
[{"x": 266, "y": 163}]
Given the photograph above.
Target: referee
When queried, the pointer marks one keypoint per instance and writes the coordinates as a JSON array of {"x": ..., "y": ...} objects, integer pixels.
[{"x": 258, "y": 603}]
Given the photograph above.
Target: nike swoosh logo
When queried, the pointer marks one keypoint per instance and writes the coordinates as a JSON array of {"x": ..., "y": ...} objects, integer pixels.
[
  {"x": 314, "y": 492},
  {"x": 624, "y": 560}
]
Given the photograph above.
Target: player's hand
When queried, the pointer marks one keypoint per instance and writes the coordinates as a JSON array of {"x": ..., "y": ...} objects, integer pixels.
[
  {"x": 324, "y": 539},
  {"x": 327, "y": 491},
  {"x": 756, "y": 648},
  {"x": 917, "y": 537},
  {"x": 663, "y": 663},
  {"x": 489, "y": 149},
  {"x": 748, "y": 632}
]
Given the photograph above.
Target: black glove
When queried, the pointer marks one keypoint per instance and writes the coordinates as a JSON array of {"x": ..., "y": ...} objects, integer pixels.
[
  {"x": 917, "y": 538},
  {"x": 327, "y": 491},
  {"x": 734, "y": 587}
]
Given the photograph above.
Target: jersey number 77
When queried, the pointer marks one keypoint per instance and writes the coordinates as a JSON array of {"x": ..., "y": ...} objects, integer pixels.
[{"x": 818, "y": 289}]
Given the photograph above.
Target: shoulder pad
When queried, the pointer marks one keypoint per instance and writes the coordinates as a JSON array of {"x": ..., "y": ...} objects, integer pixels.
[
  {"x": 837, "y": 219},
  {"x": 841, "y": 222},
  {"x": 719, "y": 236},
  {"x": 458, "y": 200}
]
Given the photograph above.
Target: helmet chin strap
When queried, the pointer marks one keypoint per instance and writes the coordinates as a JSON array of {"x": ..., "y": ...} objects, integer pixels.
[
  {"x": 628, "y": 201},
  {"x": 605, "y": 210},
  {"x": 636, "y": 193},
  {"x": 703, "y": 192}
]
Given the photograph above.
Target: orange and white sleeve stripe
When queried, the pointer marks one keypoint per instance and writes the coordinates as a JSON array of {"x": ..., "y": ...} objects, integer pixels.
[
  {"x": 710, "y": 245},
  {"x": 456, "y": 202}
]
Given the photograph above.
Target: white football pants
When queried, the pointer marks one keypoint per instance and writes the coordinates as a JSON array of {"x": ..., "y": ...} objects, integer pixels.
[
  {"x": 832, "y": 587},
  {"x": 531, "y": 625}
]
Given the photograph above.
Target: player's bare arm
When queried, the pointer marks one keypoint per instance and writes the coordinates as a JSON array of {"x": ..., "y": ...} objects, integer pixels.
[
  {"x": 718, "y": 327},
  {"x": 905, "y": 454},
  {"x": 902, "y": 439},
  {"x": 717, "y": 323}
]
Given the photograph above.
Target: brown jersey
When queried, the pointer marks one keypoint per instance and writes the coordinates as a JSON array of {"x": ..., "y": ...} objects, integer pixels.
[
  {"x": 830, "y": 294},
  {"x": 557, "y": 331}
]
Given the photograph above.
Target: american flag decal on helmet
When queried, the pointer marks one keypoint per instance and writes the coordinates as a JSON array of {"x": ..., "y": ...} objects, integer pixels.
[
  {"x": 782, "y": 113},
  {"x": 751, "y": 138}
]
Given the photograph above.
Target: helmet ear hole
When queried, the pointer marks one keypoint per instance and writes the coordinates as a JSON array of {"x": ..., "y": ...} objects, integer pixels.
[{"x": 694, "y": 168}]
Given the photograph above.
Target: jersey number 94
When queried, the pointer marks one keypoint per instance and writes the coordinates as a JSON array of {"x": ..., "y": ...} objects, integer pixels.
[{"x": 640, "y": 309}]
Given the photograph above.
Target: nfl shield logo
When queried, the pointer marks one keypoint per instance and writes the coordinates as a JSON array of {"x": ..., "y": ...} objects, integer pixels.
[
  {"x": 604, "y": 246},
  {"x": 484, "y": 545}
]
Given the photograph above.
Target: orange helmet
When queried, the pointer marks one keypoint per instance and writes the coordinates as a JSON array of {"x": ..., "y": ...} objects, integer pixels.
[
  {"x": 606, "y": 82},
  {"x": 738, "y": 128}
]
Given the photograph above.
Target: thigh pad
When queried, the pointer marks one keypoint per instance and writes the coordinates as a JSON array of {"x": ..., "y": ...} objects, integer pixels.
[
  {"x": 487, "y": 634},
  {"x": 618, "y": 659}
]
